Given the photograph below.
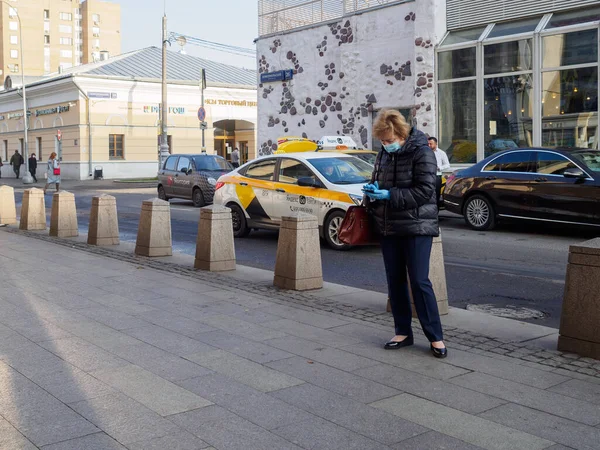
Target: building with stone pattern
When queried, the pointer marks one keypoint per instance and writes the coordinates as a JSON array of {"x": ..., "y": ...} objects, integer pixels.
[
  {"x": 57, "y": 34},
  {"x": 108, "y": 117},
  {"x": 481, "y": 76}
]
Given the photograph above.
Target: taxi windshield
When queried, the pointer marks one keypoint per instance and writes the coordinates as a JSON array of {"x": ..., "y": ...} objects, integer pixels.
[
  {"x": 590, "y": 157},
  {"x": 211, "y": 163},
  {"x": 349, "y": 170}
]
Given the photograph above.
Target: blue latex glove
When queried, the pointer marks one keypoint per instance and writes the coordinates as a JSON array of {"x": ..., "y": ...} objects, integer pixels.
[{"x": 374, "y": 193}]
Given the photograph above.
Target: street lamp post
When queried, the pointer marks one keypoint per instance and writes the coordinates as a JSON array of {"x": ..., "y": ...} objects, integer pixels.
[
  {"x": 164, "y": 142},
  {"x": 27, "y": 178}
]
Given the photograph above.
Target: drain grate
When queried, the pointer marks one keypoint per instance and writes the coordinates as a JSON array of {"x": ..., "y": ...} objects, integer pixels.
[{"x": 507, "y": 311}]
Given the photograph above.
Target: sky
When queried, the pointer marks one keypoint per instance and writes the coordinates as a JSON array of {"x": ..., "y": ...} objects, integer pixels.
[{"x": 232, "y": 22}]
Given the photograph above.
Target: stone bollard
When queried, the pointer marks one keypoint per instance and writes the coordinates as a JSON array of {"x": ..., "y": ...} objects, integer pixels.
[
  {"x": 63, "y": 219},
  {"x": 8, "y": 210},
  {"x": 215, "y": 249},
  {"x": 104, "y": 225},
  {"x": 579, "y": 330},
  {"x": 437, "y": 275},
  {"x": 298, "y": 264},
  {"x": 33, "y": 210},
  {"x": 154, "y": 230}
]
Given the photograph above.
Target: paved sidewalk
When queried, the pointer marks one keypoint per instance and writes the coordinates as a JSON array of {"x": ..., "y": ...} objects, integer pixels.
[
  {"x": 77, "y": 185},
  {"x": 103, "y": 350}
]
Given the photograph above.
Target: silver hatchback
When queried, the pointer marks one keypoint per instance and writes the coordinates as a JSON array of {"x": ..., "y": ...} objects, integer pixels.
[{"x": 191, "y": 177}]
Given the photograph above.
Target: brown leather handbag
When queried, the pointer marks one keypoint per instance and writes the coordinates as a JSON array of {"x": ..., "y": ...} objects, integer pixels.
[{"x": 356, "y": 227}]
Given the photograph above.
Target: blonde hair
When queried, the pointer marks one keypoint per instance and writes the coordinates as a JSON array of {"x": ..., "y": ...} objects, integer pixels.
[
  {"x": 52, "y": 155},
  {"x": 390, "y": 120}
]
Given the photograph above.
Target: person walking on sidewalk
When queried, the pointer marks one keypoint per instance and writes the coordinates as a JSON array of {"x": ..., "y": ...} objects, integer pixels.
[
  {"x": 403, "y": 205},
  {"x": 1, "y": 164},
  {"x": 235, "y": 158},
  {"x": 16, "y": 161},
  {"x": 53, "y": 172},
  {"x": 33, "y": 166}
]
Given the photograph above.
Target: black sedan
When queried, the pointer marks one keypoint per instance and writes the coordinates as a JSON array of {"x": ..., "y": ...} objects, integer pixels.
[{"x": 547, "y": 185}]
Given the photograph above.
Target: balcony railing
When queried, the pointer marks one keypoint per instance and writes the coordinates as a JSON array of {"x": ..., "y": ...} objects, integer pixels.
[{"x": 276, "y": 16}]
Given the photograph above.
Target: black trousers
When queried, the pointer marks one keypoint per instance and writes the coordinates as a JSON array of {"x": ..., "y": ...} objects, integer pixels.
[
  {"x": 17, "y": 170},
  {"x": 412, "y": 253},
  {"x": 438, "y": 188}
]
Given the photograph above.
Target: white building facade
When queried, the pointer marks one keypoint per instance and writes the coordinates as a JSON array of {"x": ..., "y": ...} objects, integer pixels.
[{"x": 482, "y": 76}]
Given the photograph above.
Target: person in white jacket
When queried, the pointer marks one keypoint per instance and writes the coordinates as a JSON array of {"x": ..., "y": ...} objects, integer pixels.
[{"x": 443, "y": 163}]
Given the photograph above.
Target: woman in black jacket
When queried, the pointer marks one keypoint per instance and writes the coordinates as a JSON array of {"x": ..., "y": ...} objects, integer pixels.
[
  {"x": 33, "y": 166},
  {"x": 403, "y": 205}
]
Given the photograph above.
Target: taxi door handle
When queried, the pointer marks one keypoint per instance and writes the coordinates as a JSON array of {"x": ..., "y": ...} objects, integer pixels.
[
  {"x": 243, "y": 184},
  {"x": 280, "y": 190}
]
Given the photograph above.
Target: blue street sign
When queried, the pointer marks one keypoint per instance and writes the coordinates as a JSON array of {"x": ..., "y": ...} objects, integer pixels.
[
  {"x": 201, "y": 114},
  {"x": 280, "y": 75}
]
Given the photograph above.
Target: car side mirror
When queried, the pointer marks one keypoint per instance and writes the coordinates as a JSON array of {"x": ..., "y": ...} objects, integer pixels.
[
  {"x": 575, "y": 172},
  {"x": 308, "y": 182}
]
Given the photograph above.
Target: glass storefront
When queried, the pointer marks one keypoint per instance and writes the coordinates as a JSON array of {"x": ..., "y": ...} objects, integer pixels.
[{"x": 527, "y": 83}]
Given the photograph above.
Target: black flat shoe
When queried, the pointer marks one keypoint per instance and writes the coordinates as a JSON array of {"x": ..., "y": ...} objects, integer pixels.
[
  {"x": 439, "y": 352},
  {"x": 394, "y": 345}
]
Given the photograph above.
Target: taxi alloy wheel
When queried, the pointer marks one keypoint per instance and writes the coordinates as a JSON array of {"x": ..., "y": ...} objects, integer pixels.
[
  {"x": 332, "y": 229},
  {"x": 238, "y": 220},
  {"x": 162, "y": 194},
  {"x": 198, "y": 198},
  {"x": 479, "y": 213}
]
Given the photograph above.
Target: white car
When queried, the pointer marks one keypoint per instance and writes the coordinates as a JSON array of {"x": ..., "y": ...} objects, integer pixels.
[{"x": 266, "y": 189}]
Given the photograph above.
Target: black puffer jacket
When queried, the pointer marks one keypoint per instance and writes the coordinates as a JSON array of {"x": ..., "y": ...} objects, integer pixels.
[{"x": 410, "y": 176}]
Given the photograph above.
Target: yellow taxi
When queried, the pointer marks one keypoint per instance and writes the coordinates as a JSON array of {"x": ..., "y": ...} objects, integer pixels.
[{"x": 266, "y": 189}]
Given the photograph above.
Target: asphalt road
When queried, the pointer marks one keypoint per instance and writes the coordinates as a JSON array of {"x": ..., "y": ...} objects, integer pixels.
[{"x": 515, "y": 266}]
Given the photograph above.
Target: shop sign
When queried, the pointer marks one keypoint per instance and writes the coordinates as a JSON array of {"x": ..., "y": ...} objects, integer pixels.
[
  {"x": 16, "y": 115},
  {"x": 211, "y": 101},
  {"x": 55, "y": 110},
  {"x": 177, "y": 110},
  {"x": 112, "y": 95},
  {"x": 280, "y": 75}
]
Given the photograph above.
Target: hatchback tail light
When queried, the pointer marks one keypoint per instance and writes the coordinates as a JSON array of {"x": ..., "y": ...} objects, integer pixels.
[{"x": 219, "y": 185}]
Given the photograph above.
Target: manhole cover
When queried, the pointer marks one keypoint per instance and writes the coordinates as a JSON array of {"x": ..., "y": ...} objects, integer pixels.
[{"x": 507, "y": 311}]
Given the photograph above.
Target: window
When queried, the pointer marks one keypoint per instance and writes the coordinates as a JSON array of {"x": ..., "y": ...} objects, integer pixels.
[
  {"x": 65, "y": 29},
  {"x": 66, "y": 53},
  {"x": 508, "y": 110},
  {"x": 552, "y": 163},
  {"x": 46, "y": 39},
  {"x": 38, "y": 148},
  {"x": 211, "y": 163},
  {"x": 183, "y": 164},
  {"x": 457, "y": 37},
  {"x": 47, "y": 27},
  {"x": 262, "y": 170},
  {"x": 66, "y": 16},
  {"x": 457, "y": 63},
  {"x": 46, "y": 14},
  {"x": 458, "y": 121},
  {"x": 14, "y": 68},
  {"x": 521, "y": 26},
  {"x": 171, "y": 163},
  {"x": 96, "y": 18},
  {"x": 515, "y": 56},
  {"x": 12, "y": 12},
  {"x": 66, "y": 41},
  {"x": 14, "y": 54},
  {"x": 115, "y": 146},
  {"x": 4, "y": 155},
  {"x": 290, "y": 170},
  {"x": 14, "y": 40},
  {"x": 512, "y": 162},
  {"x": 13, "y": 26},
  {"x": 574, "y": 17},
  {"x": 579, "y": 47},
  {"x": 590, "y": 157},
  {"x": 97, "y": 43},
  {"x": 96, "y": 31}
]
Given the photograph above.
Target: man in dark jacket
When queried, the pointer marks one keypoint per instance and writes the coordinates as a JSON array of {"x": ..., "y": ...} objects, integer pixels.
[
  {"x": 16, "y": 161},
  {"x": 33, "y": 166},
  {"x": 403, "y": 205}
]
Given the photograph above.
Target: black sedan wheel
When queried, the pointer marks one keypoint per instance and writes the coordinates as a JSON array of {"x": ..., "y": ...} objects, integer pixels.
[{"x": 479, "y": 213}]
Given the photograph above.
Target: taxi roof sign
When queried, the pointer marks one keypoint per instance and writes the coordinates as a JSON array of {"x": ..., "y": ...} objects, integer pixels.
[{"x": 336, "y": 143}]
